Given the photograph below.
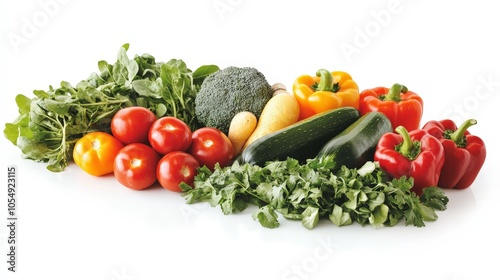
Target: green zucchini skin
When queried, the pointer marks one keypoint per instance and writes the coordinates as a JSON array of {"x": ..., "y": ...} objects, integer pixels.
[
  {"x": 301, "y": 140},
  {"x": 356, "y": 144}
]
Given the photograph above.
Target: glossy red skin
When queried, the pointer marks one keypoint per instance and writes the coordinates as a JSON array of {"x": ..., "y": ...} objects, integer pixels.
[
  {"x": 425, "y": 168},
  {"x": 461, "y": 165},
  {"x": 174, "y": 168},
  {"x": 408, "y": 112},
  {"x": 477, "y": 149},
  {"x": 131, "y": 124},
  {"x": 210, "y": 146},
  {"x": 169, "y": 134},
  {"x": 135, "y": 166}
]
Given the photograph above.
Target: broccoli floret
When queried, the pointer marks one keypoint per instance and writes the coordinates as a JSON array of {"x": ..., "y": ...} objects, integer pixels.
[{"x": 229, "y": 91}]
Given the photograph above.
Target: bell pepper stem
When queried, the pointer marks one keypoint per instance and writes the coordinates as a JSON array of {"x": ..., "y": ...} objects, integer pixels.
[
  {"x": 408, "y": 148},
  {"x": 395, "y": 91},
  {"x": 458, "y": 135},
  {"x": 407, "y": 144},
  {"x": 326, "y": 81}
]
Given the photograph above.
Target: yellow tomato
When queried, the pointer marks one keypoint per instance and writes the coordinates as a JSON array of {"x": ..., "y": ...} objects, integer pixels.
[{"x": 95, "y": 153}]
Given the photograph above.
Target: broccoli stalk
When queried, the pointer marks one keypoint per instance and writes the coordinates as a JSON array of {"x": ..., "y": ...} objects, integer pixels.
[{"x": 229, "y": 91}]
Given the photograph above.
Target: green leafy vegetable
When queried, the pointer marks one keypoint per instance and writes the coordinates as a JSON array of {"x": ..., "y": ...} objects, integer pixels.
[
  {"x": 266, "y": 216},
  {"x": 313, "y": 191},
  {"x": 50, "y": 123}
]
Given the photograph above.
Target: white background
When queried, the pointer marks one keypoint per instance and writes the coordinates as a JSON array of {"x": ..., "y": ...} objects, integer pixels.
[{"x": 74, "y": 226}]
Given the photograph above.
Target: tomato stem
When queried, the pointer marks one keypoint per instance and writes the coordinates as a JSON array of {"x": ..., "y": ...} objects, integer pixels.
[
  {"x": 208, "y": 143},
  {"x": 95, "y": 144},
  {"x": 135, "y": 162}
]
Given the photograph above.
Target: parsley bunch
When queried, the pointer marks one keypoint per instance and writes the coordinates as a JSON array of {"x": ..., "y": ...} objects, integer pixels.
[{"x": 313, "y": 191}]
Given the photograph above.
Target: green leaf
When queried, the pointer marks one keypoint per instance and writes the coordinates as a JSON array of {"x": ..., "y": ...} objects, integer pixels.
[
  {"x": 362, "y": 197},
  {"x": 352, "y": 202},
  {"x": 195, "y": 195},
  {"x": 368, "y": 168},
  {"x": 11, "y": 132},
  {"x": 427, "y": 213},
  {"x": 435, "y": 198},
  {"x": 41, "y": 94},
  {"x": 57, "y": 107},
  {"x": 119, "y": 74},
  {"x": 161, "y": 110},
  {"x": 379, "y": 216},
  {"x": 19, "y": 127},
  {"x": 266, "y": 217},
  {"x": 32, "y": 149},
  {"x": 338, "y": 217},
  {"x": 278, "y": 196},
  {"x": 298, "y": 196},
  {"x": 178, "y": 64},
  {"x": 57, "y": 165},
  {"x": 148, "y": 88},
  {"x": 265, "y": 191},
  {"x": 292, "y": 216},
  {"x": 185, "y": 187},
  {"x": 310, "y": 217},
  {"x": 204, "y": 71},
  {"x": 404, "y": 183},
  {"x": 23, "y": 103},
  {"x": 122, "y": 55},
  {"x": 102, "y": 66},
  {"x": 169, "y": 74},
  {"x": 142, "y": 102},
  {"x": 377, "y": 201},
  {"x": 132, "y": 69},
  {"x": 239, "y": 204},
  {"x": 126, "y": 46}
]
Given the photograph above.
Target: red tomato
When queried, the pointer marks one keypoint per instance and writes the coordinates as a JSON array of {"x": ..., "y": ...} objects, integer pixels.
[
  {"x": 135, "y": 166},
  {"x": 169, "y": 134},
  {"x": 131, "y": 124},
  {"x": 176, "y": 167},
  {"x": 210, "y": 146}
]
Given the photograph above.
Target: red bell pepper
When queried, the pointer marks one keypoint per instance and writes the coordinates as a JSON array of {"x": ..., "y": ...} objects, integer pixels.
[
  {"x": 401, "y": 106},
  {"x": 415, "y": 154},
  {"x": 464, "y": 153}
]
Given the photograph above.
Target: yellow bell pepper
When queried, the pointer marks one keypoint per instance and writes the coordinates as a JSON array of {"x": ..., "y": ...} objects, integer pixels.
[{"x": 325, "y": 91}]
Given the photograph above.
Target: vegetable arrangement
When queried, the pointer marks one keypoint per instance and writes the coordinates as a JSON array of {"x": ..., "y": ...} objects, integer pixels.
[
  {"x": 229, "y": 138},
  {"x": 50, "y": 123}
]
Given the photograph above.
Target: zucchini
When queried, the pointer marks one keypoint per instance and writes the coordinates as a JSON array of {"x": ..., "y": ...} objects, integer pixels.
[
  {"x": 356, "y": 145},
  {"x": 301, "y": 140}
]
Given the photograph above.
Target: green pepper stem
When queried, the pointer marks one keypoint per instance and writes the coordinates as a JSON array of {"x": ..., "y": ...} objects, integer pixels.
[
  {"x": 326, "y": 81},
  {"x": 395, "y": 91},
  {"x": 458, "y": 135},
  {"x": 406, "y": 146}
]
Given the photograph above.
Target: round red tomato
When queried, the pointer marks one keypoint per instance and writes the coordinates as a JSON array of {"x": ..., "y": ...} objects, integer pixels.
[
  {"x": 169, "y": 134},
  {"x": 131, "y": 124},
  {"x": 174, "y": 168},
  {"x": 135, "y": 166},
  {"x": 210, "y": 146}
]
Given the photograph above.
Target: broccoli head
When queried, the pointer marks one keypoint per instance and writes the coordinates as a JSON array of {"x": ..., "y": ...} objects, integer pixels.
[{"x": 229, "y": 91}]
